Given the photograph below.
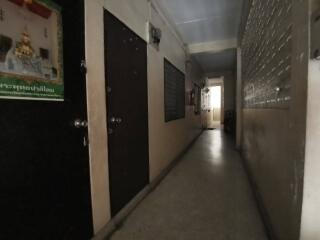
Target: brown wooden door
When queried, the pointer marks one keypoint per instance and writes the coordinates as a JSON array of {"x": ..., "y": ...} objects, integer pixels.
[
  {"x": 127, "y": 103},
  {"x": 44, "y": 164}
]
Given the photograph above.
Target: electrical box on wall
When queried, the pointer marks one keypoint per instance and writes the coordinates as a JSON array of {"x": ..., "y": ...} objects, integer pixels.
[
  {"x": 154, "y": 35},
  {"x": 315, "y": 35}
]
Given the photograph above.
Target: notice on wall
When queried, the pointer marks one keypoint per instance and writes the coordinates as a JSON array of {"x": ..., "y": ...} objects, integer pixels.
[{"x": 31, "y": 54}]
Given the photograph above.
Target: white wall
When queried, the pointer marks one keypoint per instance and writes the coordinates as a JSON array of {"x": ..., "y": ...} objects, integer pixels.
[
  {"x": 273, "y": 139},
  {"x": 310, "y": 222},
  {"x": 239, "y": 100},
  {"x": 166, "y": 140}
]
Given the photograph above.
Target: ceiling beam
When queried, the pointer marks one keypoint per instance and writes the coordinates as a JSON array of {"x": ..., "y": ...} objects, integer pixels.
[{"x": 215, "y": 46}]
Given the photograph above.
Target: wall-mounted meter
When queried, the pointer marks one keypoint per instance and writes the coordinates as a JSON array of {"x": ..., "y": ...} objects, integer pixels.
[{"x": 154, "y": 35}]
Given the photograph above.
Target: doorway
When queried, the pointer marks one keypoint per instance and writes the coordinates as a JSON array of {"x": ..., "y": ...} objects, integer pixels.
[
  {"x": 215, "y": 106},
  {"x": 127, "y": 112},
  {"x": 213, "y": 103}
]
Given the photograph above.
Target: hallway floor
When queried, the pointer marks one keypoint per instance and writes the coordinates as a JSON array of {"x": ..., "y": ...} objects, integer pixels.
[{"x": 207, "y": 196}]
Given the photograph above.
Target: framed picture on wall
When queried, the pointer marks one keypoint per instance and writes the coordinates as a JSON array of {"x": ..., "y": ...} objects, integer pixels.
[{"x": 31, "y": 54}]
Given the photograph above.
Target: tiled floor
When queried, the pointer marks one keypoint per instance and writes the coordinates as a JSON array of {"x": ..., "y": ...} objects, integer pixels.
[{"x": 205, "y": 197}]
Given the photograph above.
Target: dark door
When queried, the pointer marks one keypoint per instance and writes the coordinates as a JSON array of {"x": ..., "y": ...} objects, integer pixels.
[
  {"x": 44, "y": 165},
  {"x": 127, "y": 103}
]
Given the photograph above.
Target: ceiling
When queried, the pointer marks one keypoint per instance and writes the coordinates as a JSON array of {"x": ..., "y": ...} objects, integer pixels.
[
  {"x": 217, "y": 62},
  {"x": 203, "y": 21}
]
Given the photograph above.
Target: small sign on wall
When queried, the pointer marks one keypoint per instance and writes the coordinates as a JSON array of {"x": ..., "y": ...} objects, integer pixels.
[{"x": 31, "y": 54}]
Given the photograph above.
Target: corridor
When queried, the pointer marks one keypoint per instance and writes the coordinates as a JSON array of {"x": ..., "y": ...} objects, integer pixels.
[
  {"x": 206, "y": 196},
  {"x": 99, "y": 98}
]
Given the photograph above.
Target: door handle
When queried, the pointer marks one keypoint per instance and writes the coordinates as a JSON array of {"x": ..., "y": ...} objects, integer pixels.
[{"x": 78, "y": 123}]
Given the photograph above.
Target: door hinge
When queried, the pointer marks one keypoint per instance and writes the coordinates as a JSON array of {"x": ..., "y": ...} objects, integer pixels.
[
  {"x": 85, "y": 140},
  {"x": 110, "y": 131},
  {"x": 83, "y": 67}
]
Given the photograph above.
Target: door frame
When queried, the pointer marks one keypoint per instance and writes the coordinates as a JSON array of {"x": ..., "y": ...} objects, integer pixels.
[
  {"x": 96, "y": 113},
  {"x": 218, "y": 82}
]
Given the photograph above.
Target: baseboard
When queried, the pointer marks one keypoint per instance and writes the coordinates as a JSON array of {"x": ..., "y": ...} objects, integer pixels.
[
  {"x": 259, "y": 201},
  {"x": 116, "y": 221}
]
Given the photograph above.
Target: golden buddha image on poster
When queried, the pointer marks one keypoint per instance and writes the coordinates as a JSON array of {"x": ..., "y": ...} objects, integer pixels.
[{"x": 31, "y": 61}]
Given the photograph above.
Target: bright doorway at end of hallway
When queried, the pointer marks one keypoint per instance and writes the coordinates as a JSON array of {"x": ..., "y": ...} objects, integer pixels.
[
  {"x": 215, "y": 106},
  {"x": 213, "y": 103}
]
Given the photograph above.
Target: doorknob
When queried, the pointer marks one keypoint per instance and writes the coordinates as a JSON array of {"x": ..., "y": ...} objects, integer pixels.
[
  {"x": 112, "y": 120},
  {"x": 78, "y": 123},
  {"x": 115, "y": 120},
  {"x": 118, "y": 120}
]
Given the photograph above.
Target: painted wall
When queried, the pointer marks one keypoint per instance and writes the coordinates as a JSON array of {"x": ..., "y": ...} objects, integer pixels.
[
  {"x": 311, "y": 198},
  {"x": 239, "y": 101},
  {"x": 246, "y": 6},
  {"x": 166, "y": 140},
  {"x": 274, "y": 140},
  {"x": 311, "y": 194}
]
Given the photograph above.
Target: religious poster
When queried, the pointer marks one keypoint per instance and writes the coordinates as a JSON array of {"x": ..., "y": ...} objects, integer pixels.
[{"x": 31, "y": 61}]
